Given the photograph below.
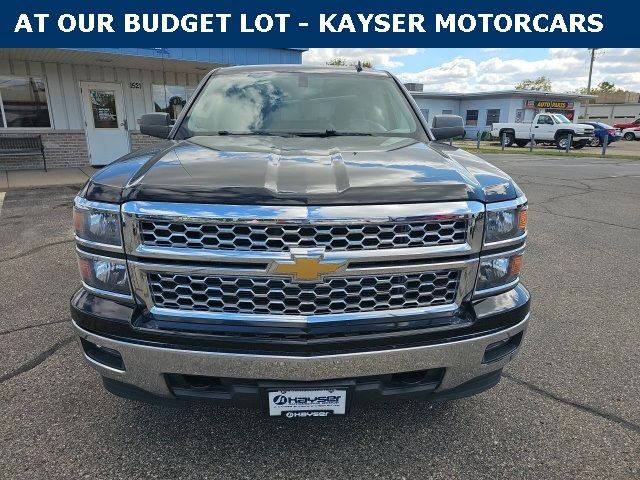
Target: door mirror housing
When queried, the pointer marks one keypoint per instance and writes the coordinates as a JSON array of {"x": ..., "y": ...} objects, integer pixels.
[
  {"x": 447, "y": 126},
  {"x": 156, "y": 124}
]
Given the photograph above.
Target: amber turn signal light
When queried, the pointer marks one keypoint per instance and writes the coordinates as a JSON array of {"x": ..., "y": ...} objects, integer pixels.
[
  {"x": 515, "y": 265},
  {"x": 522, "y": 220}
]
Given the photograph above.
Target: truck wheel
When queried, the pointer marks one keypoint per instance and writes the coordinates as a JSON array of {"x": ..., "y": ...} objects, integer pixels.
[
  {"x": 595, "y": 142},
  {"x": 629, "y": 136},
  {"x": 521, "y": 143},
  {"x": 509, "y": 139},
  {"x": 562, "y": 142}
]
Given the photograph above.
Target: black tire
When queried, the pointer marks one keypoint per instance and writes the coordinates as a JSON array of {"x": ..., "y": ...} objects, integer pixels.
[
  {"x": 522, "y": 143},
  {"x": 561, "y": 142},
  {"x": 629, "y": 136},
  {"x": 509, "y": 139}
]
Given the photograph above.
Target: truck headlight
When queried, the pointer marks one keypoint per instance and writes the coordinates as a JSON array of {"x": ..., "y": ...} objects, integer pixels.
[
  {"x": 505, "y": 221},
  {"x": 498, "y": 272},
  {"x": 106, "y": 274},
  {"x": 96, "y": 222}
]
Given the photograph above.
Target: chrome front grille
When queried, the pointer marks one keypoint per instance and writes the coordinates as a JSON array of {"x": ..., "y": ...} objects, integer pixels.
[
  {"x": 218, "y": 265},
  {"x": 333, "y": 295},
  {"x": 279, "y": 238}
]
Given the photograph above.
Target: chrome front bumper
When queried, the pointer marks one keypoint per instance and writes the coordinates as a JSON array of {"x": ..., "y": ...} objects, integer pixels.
[{"x": 146, "y": 366}]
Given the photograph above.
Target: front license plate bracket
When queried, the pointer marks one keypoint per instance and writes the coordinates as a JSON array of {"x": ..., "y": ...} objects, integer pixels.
[{"x": 310, "y": 402}]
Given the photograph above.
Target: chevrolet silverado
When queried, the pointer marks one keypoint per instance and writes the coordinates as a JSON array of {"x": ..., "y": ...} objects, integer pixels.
[{"x": 300, "y": 242}]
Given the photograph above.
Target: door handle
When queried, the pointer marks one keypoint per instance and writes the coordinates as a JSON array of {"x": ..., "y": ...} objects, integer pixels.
[{"x": 536, "y": 126}]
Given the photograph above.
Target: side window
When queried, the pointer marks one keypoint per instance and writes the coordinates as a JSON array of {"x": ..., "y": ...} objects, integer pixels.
[
  {"x": 23, "y": 102},
  {"x": 472, "y": 117},
  {"x": 447, "y": 112},
  {"x": 169, "y": 99},
  {"x": 545, "y": 120},
  {"x": 493, "y": 116}
]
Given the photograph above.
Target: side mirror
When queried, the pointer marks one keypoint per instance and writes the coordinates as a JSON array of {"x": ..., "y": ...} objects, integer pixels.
[
  {"x": 447, "y": 126},
  {"x": 155, "y": 124}
]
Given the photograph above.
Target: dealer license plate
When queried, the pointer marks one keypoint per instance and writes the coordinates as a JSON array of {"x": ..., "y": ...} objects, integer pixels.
[{"x": 307, "y": 403}]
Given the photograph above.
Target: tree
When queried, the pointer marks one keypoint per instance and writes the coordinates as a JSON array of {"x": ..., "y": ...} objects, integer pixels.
[
  {"x": 540, "y": 84},
  {"x": 343, "y": 62},
  {"x": 606, "y": 87},
  {"x": 601, "y": 89}
]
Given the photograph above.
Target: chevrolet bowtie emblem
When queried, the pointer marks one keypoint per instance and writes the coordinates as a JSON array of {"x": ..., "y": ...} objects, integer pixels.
[{"x": 306, "y": 267}]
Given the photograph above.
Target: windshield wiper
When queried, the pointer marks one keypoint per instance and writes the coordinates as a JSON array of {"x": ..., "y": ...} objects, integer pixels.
[
  {"x": 266, "y": 134},
  {"x": 326, "y": 133},
  {"x": 333, "y": 133}
]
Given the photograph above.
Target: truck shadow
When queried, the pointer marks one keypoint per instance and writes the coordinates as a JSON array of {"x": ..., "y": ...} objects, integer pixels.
[{"x": 211, "y": 435}]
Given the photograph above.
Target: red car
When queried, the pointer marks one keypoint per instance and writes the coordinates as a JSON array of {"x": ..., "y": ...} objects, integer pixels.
[{"x": 622, "y": 126}]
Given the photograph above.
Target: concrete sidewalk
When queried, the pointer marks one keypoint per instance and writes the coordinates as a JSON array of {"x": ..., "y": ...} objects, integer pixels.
[{"x": 17, "y": 179}]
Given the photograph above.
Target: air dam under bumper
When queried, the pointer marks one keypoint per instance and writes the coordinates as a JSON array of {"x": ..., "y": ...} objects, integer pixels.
[{"x": 146, "y": 366}]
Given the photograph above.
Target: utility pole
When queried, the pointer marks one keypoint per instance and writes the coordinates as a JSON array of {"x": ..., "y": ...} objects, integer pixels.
[{"x": 586, "y": 105}]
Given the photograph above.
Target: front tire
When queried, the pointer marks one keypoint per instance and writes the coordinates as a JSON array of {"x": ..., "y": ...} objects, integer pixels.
[{"x": 562, "y": 142}]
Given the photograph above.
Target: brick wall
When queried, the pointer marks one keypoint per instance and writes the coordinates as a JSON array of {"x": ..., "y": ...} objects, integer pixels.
[
  {"x": 61, "y": 148},
  {"x": 138, "y": 140}
]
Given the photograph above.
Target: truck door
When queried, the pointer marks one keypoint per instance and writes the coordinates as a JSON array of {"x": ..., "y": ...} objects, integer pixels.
[{"x": 544, "y": 128}]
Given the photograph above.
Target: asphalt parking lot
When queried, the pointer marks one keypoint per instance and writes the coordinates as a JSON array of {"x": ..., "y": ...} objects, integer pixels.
[{"x": 566, "y": 408}]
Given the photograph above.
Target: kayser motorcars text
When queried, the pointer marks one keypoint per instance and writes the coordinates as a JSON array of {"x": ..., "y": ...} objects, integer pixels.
[{"x": 301, "y": 243}]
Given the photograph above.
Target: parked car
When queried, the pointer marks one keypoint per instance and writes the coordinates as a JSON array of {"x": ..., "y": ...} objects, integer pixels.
[
  {"x": 625, "y": 125},
  {"x": 552, "y": 128},
  {"x": 631, "y": 133},
  {"x": 602, "y": 131},
  {"x": 300, "y": 243}
]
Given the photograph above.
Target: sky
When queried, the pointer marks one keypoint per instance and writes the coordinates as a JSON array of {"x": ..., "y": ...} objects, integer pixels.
[{"x": 485, "y": 69}]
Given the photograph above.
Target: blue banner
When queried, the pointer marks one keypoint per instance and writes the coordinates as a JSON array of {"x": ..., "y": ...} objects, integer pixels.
[{"x": 455, "y": 23}]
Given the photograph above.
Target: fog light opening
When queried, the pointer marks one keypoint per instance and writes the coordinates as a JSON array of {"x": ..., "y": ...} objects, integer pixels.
[
  {"x": 499, "y": 350},
  {"x": 104, "y": 356},
  {"x": 419, "y": 377}
]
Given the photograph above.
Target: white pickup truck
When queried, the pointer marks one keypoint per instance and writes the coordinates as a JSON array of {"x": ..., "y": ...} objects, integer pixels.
[{"x": 546, "y": 128}]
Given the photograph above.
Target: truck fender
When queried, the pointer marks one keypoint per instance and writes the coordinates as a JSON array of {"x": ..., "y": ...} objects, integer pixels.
[
  {"x": 506, "y": 130},
  {"x": 562, "y": 133}
]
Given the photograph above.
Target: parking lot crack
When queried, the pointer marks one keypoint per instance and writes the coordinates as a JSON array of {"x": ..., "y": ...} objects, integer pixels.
[
  {"x": 589, "y": 220},
  {"x": 35, "y": 250},
  {"x": 34, "y": 362},
  {"x": 551, "y": 200},
  {"x": 634, "y": 427},
  {"x": 29, "y": 327}
]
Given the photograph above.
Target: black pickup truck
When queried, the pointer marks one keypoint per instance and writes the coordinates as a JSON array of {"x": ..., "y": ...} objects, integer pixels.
[{"x": 300, "y": 242}]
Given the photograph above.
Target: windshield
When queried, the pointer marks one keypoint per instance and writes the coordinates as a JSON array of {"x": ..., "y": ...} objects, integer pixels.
[
  {"x": 561, "y": 118},
  {"x": 296, "y": 103}
]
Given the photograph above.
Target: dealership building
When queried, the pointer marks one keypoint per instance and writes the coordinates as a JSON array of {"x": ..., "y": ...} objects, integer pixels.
[
  {"x": 480, "y": 110},
  {"x": 82, "y": 104}
]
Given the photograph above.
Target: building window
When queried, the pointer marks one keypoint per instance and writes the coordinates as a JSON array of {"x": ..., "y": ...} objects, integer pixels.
[
  {"x": 23, "y": 102},
  {"x": 447, "y": 112},
  {"x": 425, "y": 113},
  {"x": 493, "y": 116},
  {"x": 472, "y": 117},
  {"x": 169, "y": 99}
]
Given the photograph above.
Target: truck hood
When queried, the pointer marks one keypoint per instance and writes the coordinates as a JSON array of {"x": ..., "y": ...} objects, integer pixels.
[{"x": 300, "y": 171}]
